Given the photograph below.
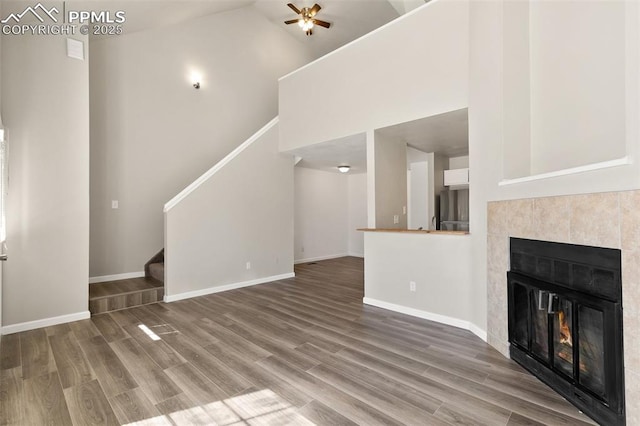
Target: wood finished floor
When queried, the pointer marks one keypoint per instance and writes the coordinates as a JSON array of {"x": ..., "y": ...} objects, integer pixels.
[
  {"x": 114, "y": 295},
  {"x": 298, "y": 351}
]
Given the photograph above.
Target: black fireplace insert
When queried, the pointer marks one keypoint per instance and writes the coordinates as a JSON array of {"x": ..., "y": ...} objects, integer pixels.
[{"x": 565, "y": 322}]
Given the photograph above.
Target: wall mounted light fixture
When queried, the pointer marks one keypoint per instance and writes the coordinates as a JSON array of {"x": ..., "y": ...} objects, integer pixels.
[
  {"x": 196, "y": 78},
  {"x": 344, "y": 168}
]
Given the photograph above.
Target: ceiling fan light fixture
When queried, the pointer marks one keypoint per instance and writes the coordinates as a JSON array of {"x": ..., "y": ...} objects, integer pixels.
[
  {"x": 307, "y": 20},
  {"x": 344, "y": 168}
]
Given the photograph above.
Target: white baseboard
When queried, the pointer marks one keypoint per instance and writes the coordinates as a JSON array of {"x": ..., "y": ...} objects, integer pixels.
[
  {"x": 316, "y": 259},
  {"x": 125, "y": 276},
  {"x": 356, "y": 255},
  {"x": 442, "y": 319},
  {"x": 226, "y": 287},
  {"x": 478, "y": 331},
  {"x": 45, "y": 322}
]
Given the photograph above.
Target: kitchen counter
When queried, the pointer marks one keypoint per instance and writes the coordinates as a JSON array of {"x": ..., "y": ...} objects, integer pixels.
[{"x": 414, "y": 231}]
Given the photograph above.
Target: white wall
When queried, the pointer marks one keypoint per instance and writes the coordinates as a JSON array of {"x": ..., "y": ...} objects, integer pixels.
[
  {"x": 438, "y": 264},
  {"x": 417, "y": 156},
  {"x": 152, "y": 133},
  {"x": 489, "y": 142},
  {"x": 329, "y": 208},
  {"x": 375, "y": 83},
  {"x": 431, "y": 176},
  {"x": 461, "y": 162},
  {"x": 440, "y": 164},
  {"x": 379, "y": 81},
  {"x": 577, "y": 52},
  {"x": 390, "y": 182},
  {"x": 1, "y": 14},
  {"x": 321, "y": 214},
  {"x": 243, "y": 213},
  {"x": 566, "y": 66},
  {"x": 357, "y": 200},
  {"x": 45, "y": 106},
  {"x": 1, "y": 272},
  {"x": 418, "y": 195},
  {"x": 517, "y": 95}
]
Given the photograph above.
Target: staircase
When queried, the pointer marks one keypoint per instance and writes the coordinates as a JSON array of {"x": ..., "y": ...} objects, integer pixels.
[
  {"x": 115, "y": 295},
  {"x": 154, "y": 268}
]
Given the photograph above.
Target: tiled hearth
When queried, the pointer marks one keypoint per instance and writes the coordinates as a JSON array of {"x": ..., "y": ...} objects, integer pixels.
[{"x": 603, "y": 220}]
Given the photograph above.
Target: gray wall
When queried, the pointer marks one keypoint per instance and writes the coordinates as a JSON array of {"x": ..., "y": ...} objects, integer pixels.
[
  {"x": 243, "y": 213},
  {"x": 152, "y": 133},
  {"x": 45, "y": 106}
]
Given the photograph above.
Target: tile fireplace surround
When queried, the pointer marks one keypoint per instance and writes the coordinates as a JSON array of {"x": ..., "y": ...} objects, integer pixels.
[{"x": 604, "y": 220}]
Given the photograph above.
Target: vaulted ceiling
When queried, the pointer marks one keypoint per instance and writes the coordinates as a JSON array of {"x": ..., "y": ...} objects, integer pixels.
[{"x": 350, "y": 19}]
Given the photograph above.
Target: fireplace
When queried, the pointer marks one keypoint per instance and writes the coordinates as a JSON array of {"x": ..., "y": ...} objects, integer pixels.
[{"x": 565, "y": 322}]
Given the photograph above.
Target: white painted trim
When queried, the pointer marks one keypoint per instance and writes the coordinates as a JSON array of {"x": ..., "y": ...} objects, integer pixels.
[
  {"x": 227, "y": 287},
  {"x": 116, "y": 277},
  {"x": 45, "y": 322},
  {"x": 624, "y": 161},
  {"x": 478, "y": 331},
  {"x": 319, "y": 258},
  {"x": 356, "y": 255},
  {"x": 212, "y": 171},
  {"x": 398, "y": 19},
  {"x": 442, "y": 319}
]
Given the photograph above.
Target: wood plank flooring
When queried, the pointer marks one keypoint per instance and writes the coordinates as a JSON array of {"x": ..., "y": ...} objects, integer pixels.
[
  {"x": 114, "y": 295},
  {"x": 298, "y": 351}
]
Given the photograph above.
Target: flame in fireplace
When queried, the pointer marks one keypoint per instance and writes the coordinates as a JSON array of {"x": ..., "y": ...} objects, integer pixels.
[{"x": 565, "y": 331}]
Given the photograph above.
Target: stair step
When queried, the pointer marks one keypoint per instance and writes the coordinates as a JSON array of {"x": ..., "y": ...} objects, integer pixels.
[
  {"x": 156, "y": 270},
  {"x": 122, "y": 294}
]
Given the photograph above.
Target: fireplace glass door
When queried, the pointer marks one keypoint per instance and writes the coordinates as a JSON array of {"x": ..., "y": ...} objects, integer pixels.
[
  {"x": 563, "y": 330},
  {"x": 591, "y": 349},
  {"x": 565, "y": 322},
  {"x": 562, "y": 311},
  {"x": 540, "y": 325}
]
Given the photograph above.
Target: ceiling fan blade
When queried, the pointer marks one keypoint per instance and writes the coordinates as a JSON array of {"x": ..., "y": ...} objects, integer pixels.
[
  {"x": 295, "y": 9},
  {"x": 315, "y": 9},
  {"x": 321, "y": 23},
  {"x": 292, "y": 21}
]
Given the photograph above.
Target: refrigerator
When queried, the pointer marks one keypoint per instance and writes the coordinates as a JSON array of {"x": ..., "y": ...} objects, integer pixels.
[{"x": 453, "y": 210}]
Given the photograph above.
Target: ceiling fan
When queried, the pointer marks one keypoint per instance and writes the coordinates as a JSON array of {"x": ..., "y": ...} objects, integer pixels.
[{"x": 307, "y": 19}]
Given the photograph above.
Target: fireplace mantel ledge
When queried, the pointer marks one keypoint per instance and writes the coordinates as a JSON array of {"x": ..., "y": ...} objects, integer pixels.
[{"x": 624, "y": 161}]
